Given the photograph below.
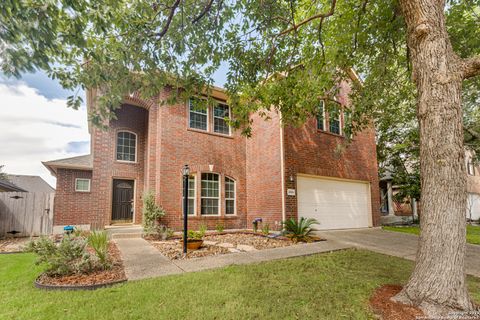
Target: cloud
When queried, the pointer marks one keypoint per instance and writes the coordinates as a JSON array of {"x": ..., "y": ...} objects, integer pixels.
[{"x": 35, "y": 128}]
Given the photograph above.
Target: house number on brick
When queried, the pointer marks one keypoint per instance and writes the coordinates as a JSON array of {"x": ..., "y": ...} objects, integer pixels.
[{"x": 291, "y": 192}]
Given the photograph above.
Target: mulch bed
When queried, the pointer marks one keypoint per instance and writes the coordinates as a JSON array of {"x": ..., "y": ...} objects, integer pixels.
[
  {"x": 385, "y": 308},
  {"x": 115, "y": 274},
  {"x": 212, "y": 246},
  {"x": 12, "y": 245}
]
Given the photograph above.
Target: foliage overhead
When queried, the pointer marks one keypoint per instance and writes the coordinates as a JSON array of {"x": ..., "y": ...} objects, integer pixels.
[{"x": 286, "y": 54}]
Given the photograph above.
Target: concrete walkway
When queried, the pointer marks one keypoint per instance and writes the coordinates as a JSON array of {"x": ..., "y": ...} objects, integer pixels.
[
  {"x": 396, "y": 244},
  {"x": 142, "y": 260}
]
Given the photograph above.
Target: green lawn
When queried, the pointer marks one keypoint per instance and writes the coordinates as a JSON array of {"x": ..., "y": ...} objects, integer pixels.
[
  {"x": 473, "y": 232},
  {"x": 327, "y": 286}
]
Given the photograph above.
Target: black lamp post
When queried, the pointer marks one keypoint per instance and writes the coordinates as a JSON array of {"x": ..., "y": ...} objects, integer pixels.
[{"x": 186, "y": 174}]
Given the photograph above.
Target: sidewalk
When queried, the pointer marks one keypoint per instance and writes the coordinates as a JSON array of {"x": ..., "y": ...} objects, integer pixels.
[{"x": 143, "y": 261}]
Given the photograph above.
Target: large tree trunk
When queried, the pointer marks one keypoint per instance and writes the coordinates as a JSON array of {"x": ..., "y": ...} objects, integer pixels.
[{"x": 438, "y": 283}]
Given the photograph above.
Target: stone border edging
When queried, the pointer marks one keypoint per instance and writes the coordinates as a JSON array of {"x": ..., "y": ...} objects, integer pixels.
[
  {"x": 12, "y": 252},
  {"x": 76, "y": 287}
]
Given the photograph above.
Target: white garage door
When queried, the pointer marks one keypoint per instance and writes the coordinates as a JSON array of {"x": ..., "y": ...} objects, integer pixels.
[{"x": 335, "y": 204}]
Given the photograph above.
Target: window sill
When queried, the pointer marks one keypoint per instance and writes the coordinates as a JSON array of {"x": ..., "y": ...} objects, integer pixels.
[
  {"x": 210, "y": 133},
  {"x": 331, "y": 134},
  {"x": 126, "y": 162},
  {"x": 211, "y": 217}
]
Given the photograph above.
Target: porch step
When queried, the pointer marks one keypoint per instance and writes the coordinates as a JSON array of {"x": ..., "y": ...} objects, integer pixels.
[{"x": 125, "y": 235}]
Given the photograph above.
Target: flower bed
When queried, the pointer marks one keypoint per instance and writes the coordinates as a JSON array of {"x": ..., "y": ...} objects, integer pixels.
[
  {"x": 92, "y": 280},
  {"x": 220, "y": 243},
  {"x": 12, "y": 245}
]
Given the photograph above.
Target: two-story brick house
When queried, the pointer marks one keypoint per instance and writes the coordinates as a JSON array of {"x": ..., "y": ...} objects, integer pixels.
[{"x": 280, "y": 172}]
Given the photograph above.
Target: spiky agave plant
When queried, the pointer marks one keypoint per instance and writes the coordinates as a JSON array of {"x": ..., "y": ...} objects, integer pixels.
[{"x": 299, "y": 230}]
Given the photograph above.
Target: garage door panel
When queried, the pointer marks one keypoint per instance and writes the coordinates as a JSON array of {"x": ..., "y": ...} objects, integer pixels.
[{"x": 335, "y": 204}]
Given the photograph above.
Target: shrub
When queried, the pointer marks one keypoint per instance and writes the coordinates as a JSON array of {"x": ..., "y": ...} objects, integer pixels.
[
  {"x": 266, "y": 229},
  {"x": 195, "y": 235},
  {"x": 202, "y": 229},
  {"x": 68, "y": 257},
  {"x": 98, "y": 241},
  {"x": 301, "y": 230},
  {"x": 219, "y": 227},
  {"x": 151, "y": 211}
]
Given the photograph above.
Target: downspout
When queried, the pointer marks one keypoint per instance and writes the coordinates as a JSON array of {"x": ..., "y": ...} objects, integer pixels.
[{"x": 282, "y": 167}]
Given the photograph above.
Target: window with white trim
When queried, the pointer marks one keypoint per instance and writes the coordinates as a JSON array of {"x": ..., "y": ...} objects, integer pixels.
[
  {"x": 220, "y": 113},
  {"x": 321, "y": 116},
  {"x": 210, "y": 196},
  {"x": 126, "y": 146},
  {"x": 229, "y": 196},
  {"x": 198, "y": 115},
  {"x": 191, "y": 195},
  {"x": 334, "y": 120},
  {"x": 82, "y": 185}
]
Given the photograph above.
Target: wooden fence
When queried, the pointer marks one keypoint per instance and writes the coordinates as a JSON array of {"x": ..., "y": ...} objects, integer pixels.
[{"x": 26, "y": 214}]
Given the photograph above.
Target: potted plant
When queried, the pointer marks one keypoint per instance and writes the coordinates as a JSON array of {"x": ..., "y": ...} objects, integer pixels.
[{"x": 194, "y": 239}]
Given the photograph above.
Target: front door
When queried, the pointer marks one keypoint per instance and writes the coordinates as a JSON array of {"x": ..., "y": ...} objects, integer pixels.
[{"x": 122, "y": 206}]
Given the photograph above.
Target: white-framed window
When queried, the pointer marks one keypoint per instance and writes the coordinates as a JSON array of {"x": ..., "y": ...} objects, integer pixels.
[
  {"x": 220, "y": 113},
  {"x": 192, "y": 206},
  {"x": 470, "y": 168},
  {"x": 334, "y": 120},
  {"x": 229, "y": 196},
  {"x": 210, "y": 195},
  {"x": 82, "y": 185},
  {"x": 126, "y": 146},
  {"x": 197, "y": 115},
  {"x": 321, "y": 116}
]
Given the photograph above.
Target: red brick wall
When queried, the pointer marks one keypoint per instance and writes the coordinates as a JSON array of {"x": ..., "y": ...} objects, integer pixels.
[
  {"x": 264, "y": 174},
  {"x": 314, "y": 152},
  {"x": 71, "y": 207},
  {"x": 178, "y": 146},
  {"x": 106, "y": 168}
]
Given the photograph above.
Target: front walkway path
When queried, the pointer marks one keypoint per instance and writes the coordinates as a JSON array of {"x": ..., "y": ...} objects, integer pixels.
[
  {"x": 142, "y": 260},
  {"x": 393, "y": 243}
]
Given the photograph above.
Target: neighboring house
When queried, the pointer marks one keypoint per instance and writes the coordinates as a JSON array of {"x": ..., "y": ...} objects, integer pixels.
[
  {"x": 473, "y": 187},
  {"x": 30, "y": 183},
  {"x": 393, "y": 211},
  {"x": 280, "y": 172},
  {"x": 8, "y": 186}
]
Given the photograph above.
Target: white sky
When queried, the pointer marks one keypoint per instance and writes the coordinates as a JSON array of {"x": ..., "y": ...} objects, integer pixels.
[{"x": 34, "y": 128}]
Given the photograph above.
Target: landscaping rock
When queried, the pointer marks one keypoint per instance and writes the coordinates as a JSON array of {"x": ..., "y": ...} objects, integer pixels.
[
  {"x": 246, "y": 248},
  {"x": 233, "y": 250},
  {"x": 226, "y": 245},
  {"x": 210, "y": 243}
]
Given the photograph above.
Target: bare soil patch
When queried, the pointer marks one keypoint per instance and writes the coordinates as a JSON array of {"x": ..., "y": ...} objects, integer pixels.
[
  {"x": 385, "y": 308},
  {"x": 116, "y": 273}
]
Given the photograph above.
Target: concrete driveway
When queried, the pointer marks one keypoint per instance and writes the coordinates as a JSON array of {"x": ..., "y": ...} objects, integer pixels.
[{"x": 396, "y": 244}]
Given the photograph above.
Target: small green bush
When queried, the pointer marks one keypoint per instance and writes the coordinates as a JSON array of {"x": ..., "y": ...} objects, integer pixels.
[
  {"x": 203, "y": 229},
  {"x": 195, "y": 235},
  {"x": 266, "y": 229},
  {"x": 68, "y": 257},
  {"x": 151, "y": 211},
  {"x": 219, "y": 227},
  {"x": 299, "y": 230},
  {"x": 98, "y": 241}
]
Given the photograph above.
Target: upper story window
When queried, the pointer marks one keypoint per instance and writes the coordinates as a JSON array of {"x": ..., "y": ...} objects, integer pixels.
[
  {"x": 229, "y": 196},
  {"x": 321, "y": 116},
  {"x": 198, "y": 116},
  {"x": 331, "y": 120},
  {"x": 82, "y": 185},
  {"x": 220, "y": 125},
  {"x": 126, "y": 146},
  {"x": 210, "y": 199},
  {"x": 470, "y": 168},
  {"x": 334, "y": 120}
]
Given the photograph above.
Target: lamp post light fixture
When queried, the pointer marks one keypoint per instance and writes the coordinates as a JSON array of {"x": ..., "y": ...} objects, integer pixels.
[{"x": 186, "y": 174}]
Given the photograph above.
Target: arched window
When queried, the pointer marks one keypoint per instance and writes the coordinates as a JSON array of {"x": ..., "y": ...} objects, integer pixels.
[{"x": 126, "y": 146}]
